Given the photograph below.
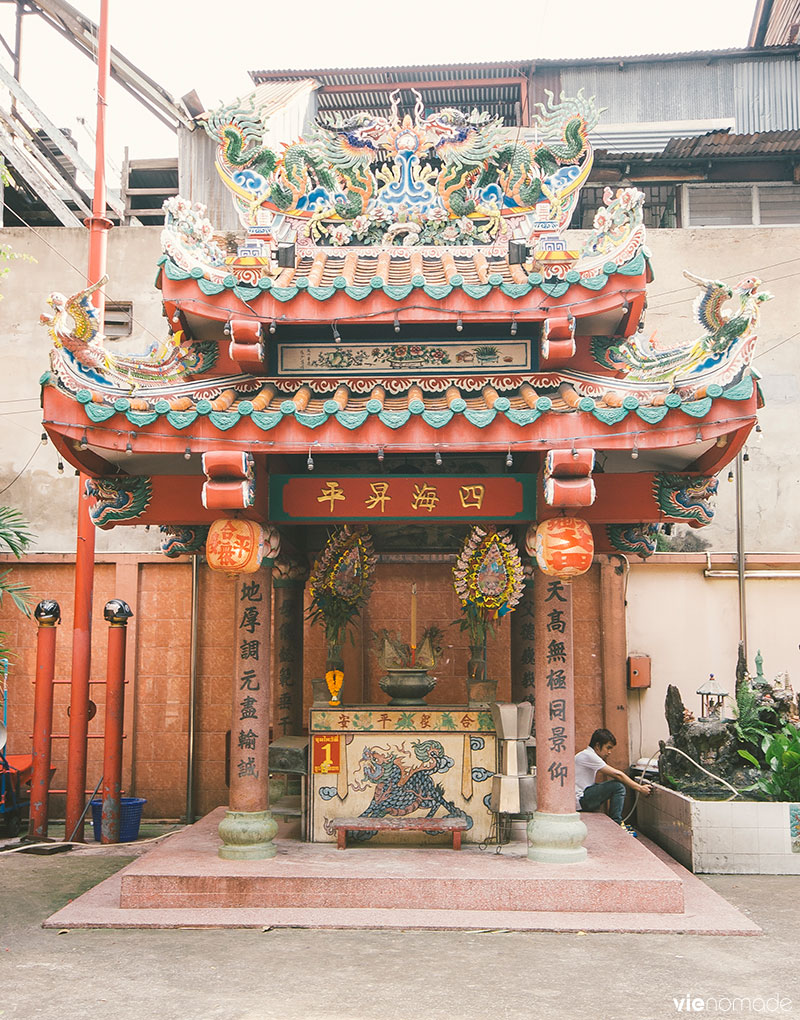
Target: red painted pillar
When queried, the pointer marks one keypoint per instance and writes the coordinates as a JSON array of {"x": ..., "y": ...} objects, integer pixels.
[
  {"x": 248, "y": 827},
  {"x": 99, "y": 225},
  {"x": 117, "y": 613},
  {"x": 81, "y": 668},
  {"x": 48, "y": 615},
  {"x": 555, "y": 833}
]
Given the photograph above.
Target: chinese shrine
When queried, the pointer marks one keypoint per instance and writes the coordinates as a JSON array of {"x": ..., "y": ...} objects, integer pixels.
[{"x": 405, "y": 395}]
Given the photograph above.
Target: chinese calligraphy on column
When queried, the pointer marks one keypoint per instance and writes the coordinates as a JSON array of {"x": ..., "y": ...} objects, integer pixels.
[
  {"x": 251, "y": 700},
  {"x": 555, "y": 718}
]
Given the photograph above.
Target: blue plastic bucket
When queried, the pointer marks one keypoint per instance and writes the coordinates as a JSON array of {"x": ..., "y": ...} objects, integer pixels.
[{"x": 130, "y": 818}]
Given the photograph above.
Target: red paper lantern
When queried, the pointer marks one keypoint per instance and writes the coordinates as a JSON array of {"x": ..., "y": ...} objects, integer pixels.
[
  {"x": 564, "y": 547},
  {"x": 235, "y": 546}
]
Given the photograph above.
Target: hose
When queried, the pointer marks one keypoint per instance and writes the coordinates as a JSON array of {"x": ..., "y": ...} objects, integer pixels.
[
  {"x": 677, "y": 750},
  {"x": 87, "y": 846}
]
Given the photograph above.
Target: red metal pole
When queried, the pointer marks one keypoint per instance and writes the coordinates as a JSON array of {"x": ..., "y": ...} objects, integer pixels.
[
  {"x": 48, "y": 614},
  {"x": 99, "y": 226},
  {"x": 117, "y": 613}
]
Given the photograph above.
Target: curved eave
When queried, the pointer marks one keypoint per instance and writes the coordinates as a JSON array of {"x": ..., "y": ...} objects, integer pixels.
[
  {"x": 711, "y": 430},
  {"x": 618, "y": 303}
]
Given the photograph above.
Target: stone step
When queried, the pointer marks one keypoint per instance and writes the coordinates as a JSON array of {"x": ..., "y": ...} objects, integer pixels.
[{"x": 619, "y": 876}]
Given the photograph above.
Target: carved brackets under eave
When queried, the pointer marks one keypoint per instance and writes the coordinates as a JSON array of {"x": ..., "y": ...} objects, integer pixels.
[
  {"x": 558, "y": 338},
  {"x": 567, "y": 478},
  {"x": 246, "y": 348},
  {"x": 230, "y": 480}
]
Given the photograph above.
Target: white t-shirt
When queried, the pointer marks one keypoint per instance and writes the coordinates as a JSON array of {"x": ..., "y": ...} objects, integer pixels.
[{"x": 587, "y": 764}]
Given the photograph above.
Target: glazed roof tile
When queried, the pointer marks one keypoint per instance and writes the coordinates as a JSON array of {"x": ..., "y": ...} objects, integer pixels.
[{"x": 521, "y": 401}]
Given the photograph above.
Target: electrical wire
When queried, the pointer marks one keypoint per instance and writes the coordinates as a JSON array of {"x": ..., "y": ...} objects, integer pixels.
[
  {"x": 72, "y": 265},
  {"x": 780, "y": 343},
  {"x": 22, "y": 471},
  {"x": 394, "y": 447}
]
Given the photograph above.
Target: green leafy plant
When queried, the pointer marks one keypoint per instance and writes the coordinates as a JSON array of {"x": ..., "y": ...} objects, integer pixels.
[
  {"x": 7, "y": 253},
  {"x": 15, "y": 536},
  {"x": 749, "y": 726},
  {"x": 780, "y": 777},
  {"x": 340, "y": 583},
  {"x": 476, "y": 620}
]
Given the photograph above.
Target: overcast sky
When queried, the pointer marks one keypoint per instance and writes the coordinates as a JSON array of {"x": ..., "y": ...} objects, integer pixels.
[{"x": 210, "y": 47}]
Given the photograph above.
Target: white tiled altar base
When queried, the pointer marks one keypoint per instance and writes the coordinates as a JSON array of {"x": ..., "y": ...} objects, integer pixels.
[{"x": 720, "y": 837}]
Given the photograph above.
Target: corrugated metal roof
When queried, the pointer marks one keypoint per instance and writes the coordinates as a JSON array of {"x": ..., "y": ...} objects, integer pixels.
[
  {"x": 775, "y": 23},
  {"x": 274, "y": 95},
  {"x": 494, "y": 69},
  {"x": 409, "y": 72},
  {"x": 722, "y": 143},
  {"x": 713, "y": 145},
  {"x": 784, "y": 21},
  {"x": 651, "y": 137}
]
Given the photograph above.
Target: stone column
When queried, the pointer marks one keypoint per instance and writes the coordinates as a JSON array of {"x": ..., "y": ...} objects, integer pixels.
[
  {"x": 555, "y": 833},
  {"x": 248, "y": 827},
  {"x": 288, "y": 582},
  {"x": 523, "y": 643}
]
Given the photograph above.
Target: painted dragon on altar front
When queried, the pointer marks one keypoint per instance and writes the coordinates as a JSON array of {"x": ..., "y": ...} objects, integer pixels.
[
  {"x": 452, "y": 177},
  {"x": 404, "y": 785}
]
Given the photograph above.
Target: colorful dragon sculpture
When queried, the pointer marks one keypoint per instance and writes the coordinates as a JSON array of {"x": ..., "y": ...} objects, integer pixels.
[
  {"x": 639, "y": 539},
  {"x": 182, "y": 541},
  {"x": 75, "y": 330},
  {"x": 445, "y": 167},
  {"x": 121, "y": 498},
  {"x": 686, "y": 497},
  {"x": 725, "y": 338}
]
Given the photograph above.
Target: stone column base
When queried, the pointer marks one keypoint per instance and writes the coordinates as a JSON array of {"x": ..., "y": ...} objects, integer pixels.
[
  {"x": 247, "y": 836},
  {"x": 556, "y": 839}
]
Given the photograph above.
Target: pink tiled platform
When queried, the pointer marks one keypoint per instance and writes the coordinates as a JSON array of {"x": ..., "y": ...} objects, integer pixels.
[{"x": 622, "y": 886}]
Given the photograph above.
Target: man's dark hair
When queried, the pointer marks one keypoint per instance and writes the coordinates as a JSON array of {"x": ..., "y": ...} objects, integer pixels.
[{"x": 600, "y": 737}]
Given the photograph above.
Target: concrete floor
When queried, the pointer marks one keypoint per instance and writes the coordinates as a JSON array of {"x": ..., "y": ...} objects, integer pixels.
[{"x": 296, "y": 974}]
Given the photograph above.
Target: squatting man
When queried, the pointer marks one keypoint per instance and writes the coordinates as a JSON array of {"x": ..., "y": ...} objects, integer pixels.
[{"x": 597, "y": 783}]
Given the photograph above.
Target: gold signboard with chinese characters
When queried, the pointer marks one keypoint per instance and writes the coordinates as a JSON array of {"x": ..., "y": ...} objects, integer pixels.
[{"x": 401, "y": 498}]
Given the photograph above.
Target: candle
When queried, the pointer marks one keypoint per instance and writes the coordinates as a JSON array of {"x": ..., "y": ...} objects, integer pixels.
[{"x": 413, "y": 616}]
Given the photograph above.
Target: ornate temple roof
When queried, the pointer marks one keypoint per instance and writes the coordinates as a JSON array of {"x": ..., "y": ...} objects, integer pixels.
[{"x": 405, "y": 283}]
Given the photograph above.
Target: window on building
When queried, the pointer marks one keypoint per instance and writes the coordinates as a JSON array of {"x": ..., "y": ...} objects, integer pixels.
[
  {"x": 738, "y": 205},
  {"x": 661, "y": 203},
  {"x": 118, "y": 319}
]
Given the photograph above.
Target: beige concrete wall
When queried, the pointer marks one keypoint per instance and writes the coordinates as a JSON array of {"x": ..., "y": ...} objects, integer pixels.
[
  {"x": 772, "y": 474},
  {"x": 48, "y": 499},
  {"x": 689, "y": 626}
]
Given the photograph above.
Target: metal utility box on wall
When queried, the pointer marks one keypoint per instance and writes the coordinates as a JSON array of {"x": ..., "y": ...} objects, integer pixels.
[{"x": 638, "y": 671}]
